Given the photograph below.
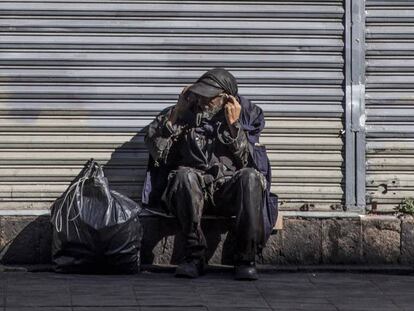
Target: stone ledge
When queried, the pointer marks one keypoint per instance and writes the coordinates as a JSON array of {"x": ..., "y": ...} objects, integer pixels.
[{"x": 364, "y": 240}]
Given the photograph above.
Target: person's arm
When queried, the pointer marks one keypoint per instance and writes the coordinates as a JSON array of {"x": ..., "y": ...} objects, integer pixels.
[
  {"x": 159, "y": 137},
  {"x": 163, "y": 130},
  {"x": 235, "y": 138}
]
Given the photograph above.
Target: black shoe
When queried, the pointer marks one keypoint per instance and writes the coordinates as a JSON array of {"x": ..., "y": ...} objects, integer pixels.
[
  {"x": 191, "y": 269},
  {"x": 246, "y": 271}
]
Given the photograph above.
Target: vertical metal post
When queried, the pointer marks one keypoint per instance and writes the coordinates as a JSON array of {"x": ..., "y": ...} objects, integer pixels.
[
  {"x": 355, "y": 105},
  {"x": 350, "y": 195},
  {"x": 358, "y": 98}
]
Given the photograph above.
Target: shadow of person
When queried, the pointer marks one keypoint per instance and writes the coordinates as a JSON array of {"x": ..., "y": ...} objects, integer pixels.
[{"x": 26, "y": 240}]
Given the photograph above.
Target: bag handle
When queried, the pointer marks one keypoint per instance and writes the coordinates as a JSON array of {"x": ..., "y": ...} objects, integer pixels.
[{"x": 94, "y": 169}]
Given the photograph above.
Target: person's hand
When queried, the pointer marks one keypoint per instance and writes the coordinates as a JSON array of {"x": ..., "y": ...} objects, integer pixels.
[
  {"x": 232, "y": 111},
  {"x": 181, "y": 106}
]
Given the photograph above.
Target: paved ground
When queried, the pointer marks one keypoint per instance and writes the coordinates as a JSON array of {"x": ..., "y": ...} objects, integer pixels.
[{"x": 151, "y": 291}]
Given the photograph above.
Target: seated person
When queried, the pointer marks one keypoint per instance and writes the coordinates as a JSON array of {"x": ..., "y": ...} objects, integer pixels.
[{"x": 205, "y": 158}]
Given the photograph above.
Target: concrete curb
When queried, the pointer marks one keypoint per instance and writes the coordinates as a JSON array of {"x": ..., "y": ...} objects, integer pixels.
[{"x": 363, "y": 240}]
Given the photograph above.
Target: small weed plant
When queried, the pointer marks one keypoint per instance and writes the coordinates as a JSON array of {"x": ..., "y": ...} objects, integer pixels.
[{"x": 406, "y": 206}]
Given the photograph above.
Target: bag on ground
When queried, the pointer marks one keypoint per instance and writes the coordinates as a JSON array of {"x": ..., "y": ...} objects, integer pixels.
[{"x": 95, "y": 229}]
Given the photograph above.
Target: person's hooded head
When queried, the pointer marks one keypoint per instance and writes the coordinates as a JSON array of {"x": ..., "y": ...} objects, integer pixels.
[
  {"x": 215, "y": 82},
  {"x": 210, "y": 86}
]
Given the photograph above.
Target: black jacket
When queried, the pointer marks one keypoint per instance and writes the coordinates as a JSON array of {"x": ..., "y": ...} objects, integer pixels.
[{"x": 181, "y": 145}]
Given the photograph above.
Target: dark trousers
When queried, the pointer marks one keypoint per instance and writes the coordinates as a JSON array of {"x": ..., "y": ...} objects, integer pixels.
[{"x": 241, "y": 195}]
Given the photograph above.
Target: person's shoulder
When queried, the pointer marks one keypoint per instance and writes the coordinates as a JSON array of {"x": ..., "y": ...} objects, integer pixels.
[
  {"x": 249, "y": 107},
  {"x": 165, "y": 111}
]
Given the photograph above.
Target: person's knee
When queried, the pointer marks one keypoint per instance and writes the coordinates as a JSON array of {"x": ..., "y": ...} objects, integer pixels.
[
  {"x": 251, "y": 177},
  {"x": 187, "y": 180},
  {"x": 183, "y": 188}
]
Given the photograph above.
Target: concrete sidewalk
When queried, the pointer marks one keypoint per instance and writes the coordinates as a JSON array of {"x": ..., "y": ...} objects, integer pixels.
[{"x": 151, "y": 291}]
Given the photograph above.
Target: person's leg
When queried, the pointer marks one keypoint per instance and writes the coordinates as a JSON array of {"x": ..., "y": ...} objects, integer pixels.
[
  {"x": 242, "y": 196},
  {"x": 184, "y": 198}
]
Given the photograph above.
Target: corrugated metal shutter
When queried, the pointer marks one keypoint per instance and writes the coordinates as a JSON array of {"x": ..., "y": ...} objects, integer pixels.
[
  {"x": 390, "y": 102},
  {"x": 81, "y": 79}
]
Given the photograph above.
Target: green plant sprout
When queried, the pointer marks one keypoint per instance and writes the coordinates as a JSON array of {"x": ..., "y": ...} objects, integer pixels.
[{"x": 406, "y": 206}]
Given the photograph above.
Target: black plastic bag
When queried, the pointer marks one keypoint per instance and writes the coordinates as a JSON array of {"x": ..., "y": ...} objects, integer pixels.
[{"x": 95, "y": 229}]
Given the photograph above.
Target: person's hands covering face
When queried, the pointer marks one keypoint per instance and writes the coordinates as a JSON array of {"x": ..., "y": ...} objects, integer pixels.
[
  {"x": 232, "y": 110},
  {"x": 181, "y": 106},
  {"x": 183, "y": 102}
]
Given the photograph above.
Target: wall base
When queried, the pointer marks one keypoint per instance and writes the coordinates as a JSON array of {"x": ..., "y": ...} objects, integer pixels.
[{"x": 372, "y": 240}]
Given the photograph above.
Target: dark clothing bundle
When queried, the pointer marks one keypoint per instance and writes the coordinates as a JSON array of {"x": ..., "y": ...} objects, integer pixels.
[
  {"x": 95, "y": 229},
  {"x": 196, "y": 166}
]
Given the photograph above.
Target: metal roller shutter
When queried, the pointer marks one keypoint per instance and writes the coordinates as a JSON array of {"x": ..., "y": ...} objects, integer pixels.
[
  {"x": 80, "y": 79},
  {"x": 389, "y": 102}
]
